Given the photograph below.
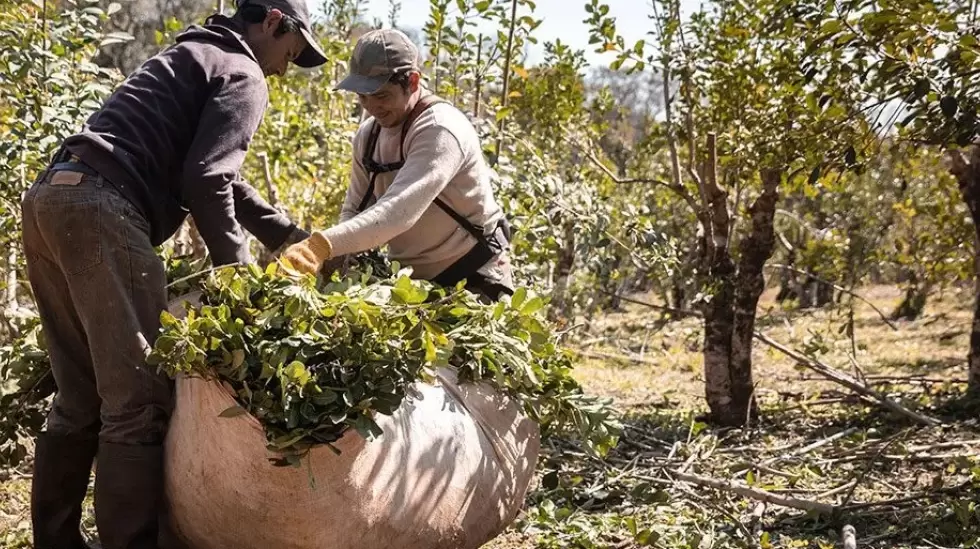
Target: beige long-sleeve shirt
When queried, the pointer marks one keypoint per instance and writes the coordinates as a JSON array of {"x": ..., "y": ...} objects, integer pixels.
[{"x": 443, "y": 159}]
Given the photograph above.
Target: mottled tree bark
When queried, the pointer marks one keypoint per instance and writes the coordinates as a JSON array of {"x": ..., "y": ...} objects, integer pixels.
[
  {"x": 967, "y": 174},
  {"x": 735, "y": 291},
  {"x": 755, "y": 249}
]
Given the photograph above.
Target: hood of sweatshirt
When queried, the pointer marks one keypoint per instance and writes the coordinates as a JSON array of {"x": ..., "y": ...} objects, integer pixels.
[{"x": 218, "y": 29}]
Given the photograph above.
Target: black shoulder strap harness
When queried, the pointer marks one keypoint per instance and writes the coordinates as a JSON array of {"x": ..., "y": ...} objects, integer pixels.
[
  {"x": 488, "y": 246},
  {"x": 375, "y": 168}
]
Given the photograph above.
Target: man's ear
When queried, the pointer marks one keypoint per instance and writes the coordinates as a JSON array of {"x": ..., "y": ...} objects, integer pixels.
[
  {"x": 272, "y": 20},
  {"x": 413, "y": 81}
]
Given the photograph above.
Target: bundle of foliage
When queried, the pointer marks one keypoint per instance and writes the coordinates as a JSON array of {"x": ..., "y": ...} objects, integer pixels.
[
  {"x": 311, "y": 358},
  {"x": 25, "y": 384}
]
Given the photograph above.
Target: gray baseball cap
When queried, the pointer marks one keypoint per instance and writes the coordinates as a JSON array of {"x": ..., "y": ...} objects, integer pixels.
[
  {"x": 378, "y": 55},
  {"x": 312, "y": 56}
]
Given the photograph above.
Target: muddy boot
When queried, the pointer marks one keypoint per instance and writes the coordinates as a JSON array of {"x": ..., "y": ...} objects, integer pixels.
[
  {"x": 62, "y": 466},
  {"x": 128, "y": 495}
]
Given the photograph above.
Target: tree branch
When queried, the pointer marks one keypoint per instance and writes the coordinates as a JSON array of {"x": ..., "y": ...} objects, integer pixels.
[
  {"x": 676, "y": 187},
  {"x": 680, "y": 312},
  {"x": 883, "y": 316},
  {"x": 269, "y": 185},
  {"x": 847, "y": 381},
  {"x": 754, "y": 493}
]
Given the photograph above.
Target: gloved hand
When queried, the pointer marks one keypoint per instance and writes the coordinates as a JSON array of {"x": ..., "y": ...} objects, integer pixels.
[
  {"x": 307, "y": 255},
  {"x": 297, "y": 235}
]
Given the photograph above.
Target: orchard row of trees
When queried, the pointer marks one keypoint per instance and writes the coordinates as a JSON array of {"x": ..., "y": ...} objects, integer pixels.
[{"x": 819, "y": 146}]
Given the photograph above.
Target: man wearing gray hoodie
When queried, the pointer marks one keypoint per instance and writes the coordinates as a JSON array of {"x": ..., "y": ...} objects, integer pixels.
[{"x": 168, "y": 142}]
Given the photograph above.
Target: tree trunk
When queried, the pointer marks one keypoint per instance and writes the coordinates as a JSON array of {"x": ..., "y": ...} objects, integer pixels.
[
  {"x": 678, "y": 295},
  {"x": 789, "y": 287},
  {"x": 566, "y": 262},
  {"x": 824, "y": 293},
  {"x": 754, "y": 250},
  {"x": 968, "y": 177},
  {"x": 914, "y": 302},
  {"x": 730, "y": 315},
  {"x": 11, "y": 297},
  {"x": 719, "y": 318},
  {"x": 719, "y": 326},
  {"x": 815, "y": 294}
]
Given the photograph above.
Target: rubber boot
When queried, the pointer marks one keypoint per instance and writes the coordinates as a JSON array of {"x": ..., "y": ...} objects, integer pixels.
[
  {"x": 128, "y": 495},
  {"x": 62, "y": 467}
]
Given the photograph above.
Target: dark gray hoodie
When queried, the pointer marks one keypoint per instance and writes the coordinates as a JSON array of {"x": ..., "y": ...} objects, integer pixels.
[{"x": 173, "y": 137}]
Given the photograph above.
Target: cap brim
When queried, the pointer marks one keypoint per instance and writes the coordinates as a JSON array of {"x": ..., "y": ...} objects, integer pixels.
[
  {"x": 363, "y": 84},
  {"x": 312, "y": 56}
]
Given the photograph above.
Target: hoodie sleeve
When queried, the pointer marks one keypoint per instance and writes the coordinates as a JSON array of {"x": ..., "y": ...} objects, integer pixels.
[
  {"x": 225, "y": 129},
  {"x": 260, "y": 218}
]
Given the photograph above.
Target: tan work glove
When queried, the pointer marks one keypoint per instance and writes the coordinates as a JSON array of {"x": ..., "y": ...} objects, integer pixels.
[{"x": 307, "y": 255}]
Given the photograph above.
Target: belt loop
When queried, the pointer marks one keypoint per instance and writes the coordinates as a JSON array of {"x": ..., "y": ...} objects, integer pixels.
[{"x": 42, "y": 178}]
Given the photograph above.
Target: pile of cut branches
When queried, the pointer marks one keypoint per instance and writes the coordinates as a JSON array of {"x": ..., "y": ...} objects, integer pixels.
[{"x": 311, "y": 358}]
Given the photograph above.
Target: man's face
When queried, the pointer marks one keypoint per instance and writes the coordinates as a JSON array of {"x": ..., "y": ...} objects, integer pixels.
[
  {"x": 391, "y": 104},
  {"x": 274, "y": 53}
]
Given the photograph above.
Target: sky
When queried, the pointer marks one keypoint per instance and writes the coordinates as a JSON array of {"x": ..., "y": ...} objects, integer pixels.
[{"x": 562, "y": 19}]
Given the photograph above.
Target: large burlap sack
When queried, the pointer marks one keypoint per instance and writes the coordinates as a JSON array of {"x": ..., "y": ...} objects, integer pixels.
[{"x": 450, "y": 471}]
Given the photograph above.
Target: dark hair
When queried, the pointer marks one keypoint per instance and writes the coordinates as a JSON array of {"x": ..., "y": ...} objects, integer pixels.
[
  {"x": 401, "y": 78},
  {"x": 256, "y": 13}
]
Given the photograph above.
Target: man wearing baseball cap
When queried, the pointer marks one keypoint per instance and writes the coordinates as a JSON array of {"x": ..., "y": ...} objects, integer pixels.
[
  {"x": 169, "y": 142},
  {"x": 419, "y": 180}
]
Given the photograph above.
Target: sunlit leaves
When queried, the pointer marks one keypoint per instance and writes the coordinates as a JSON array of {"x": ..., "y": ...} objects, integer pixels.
[{"x": 312, "y": 361}]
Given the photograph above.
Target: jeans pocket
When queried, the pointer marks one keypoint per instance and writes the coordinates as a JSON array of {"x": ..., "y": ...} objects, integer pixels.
[
  {"x": 73, "y": 230},
  {"x": 120, "y": 206}
]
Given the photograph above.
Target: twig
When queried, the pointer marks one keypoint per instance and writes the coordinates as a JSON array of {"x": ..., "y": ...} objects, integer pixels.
[
  {"x": 838, "y": 288},
  {"x": 649, "y": 437},
  {"x": 885, "y": 380},
  {"x": 811, "y": 447},
  {"x": 896, "y": 457},
  {"x": 741, "y": 449},
  {"x": 755, "y": 520},
  {"x": 742, "y": 468},
  {"x": 913, "y": 379},
  {"x": 593, "y": 341},
  {"x": 681, "y": 312},
  {"x": 689, "y": 462},
  {"x": 202, "y": 273},
  {"x": 838, "y": 490},
  {"x": 567, "y": 331},
  {"x": 704, "y": 501},
  {"x": 936, "y": 545},
  {"x": 677, "y": 186},
  {"x": 505, "y": 94},
  {"x": 269, "y": 184},
  {"x": 628, "y": 469},
  {"x": 847, "y": 381},
  {"x": 867, "y": 468},
  {"x": 640, "y": 445},
  {"x": 909, "y": 499},
  {"x": 849, "y": 536},
  {"x": 610, "y": 356},
  {"x": 479, "y": 77},
  {"x": 754, "y": 493},
  {"x": 942, "y": 446},
  {"x": 818, "y": 402}
]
